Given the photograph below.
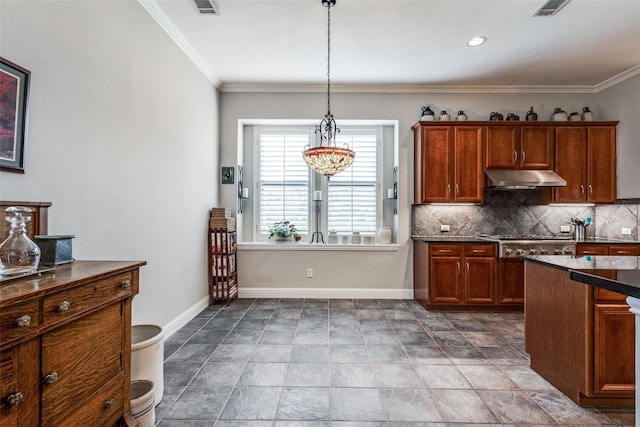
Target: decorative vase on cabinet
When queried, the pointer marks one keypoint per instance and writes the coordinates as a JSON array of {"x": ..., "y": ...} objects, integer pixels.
[{"x": 384, "y": 235}]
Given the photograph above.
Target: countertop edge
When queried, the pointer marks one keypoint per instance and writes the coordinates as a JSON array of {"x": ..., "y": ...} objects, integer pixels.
[{"x": 604, "y": 283}]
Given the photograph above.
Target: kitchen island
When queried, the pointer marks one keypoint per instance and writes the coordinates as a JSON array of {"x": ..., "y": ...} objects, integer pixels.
[{"x": 579, "y": 331}]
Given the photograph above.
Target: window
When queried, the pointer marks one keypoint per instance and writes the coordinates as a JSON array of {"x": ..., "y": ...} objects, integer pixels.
[
  {"x": 283, "y": 178},
  {"x": 351, "y": 201}
]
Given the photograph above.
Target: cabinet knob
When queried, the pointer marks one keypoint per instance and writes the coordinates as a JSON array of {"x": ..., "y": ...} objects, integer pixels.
[
  {"x": 63, "y": 306},
  {"x": 126, "y": 284},
  {"x": 109, "y": 403},
  {"x": 14, "y": 399},
  {"x": 51, "y": 378},
  {"x": 22, "y": 321}
]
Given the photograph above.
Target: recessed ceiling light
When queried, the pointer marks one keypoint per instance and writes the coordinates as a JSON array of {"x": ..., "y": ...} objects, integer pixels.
[{"x": 476, "y": 41}]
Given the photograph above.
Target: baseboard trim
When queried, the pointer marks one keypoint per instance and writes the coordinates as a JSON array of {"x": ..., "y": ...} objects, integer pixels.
[
  {"x": 184, "y": 317},
  {"x": 334, "y": 293}
]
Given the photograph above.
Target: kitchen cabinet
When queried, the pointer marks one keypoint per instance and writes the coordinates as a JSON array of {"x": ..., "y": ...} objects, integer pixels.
[
  {"x": 514, "y": 146},
  {"x": 458, "y": 274},
  {"x": 448, "y": 163},
  {"x": 511, "y": 281},
  {"x": 617, "y": 249},
  {"x": 65, "y": 345},
  {"x": 586, "y": 158},
  {"x": 581, "y": 339}
]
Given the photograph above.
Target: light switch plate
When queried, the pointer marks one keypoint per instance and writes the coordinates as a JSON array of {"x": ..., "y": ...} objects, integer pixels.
[
  {"x": 227, "y": 175},
  {"x": 626, "y": 231},
  {"x": 565, "y": 228},
  {"x": 444, "y": 227}
]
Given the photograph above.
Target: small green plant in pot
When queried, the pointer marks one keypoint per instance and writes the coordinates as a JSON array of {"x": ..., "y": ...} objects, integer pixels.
[{"x": 284, "y": 230}]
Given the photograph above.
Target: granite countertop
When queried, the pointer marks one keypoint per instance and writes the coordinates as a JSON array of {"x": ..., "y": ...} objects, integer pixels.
[
  {"x": 607, "y": 240},
  {"x": 451, "y": 238},
  {"x": 597, "y": 270}
]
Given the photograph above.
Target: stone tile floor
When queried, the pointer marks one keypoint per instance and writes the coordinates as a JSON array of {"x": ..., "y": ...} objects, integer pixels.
[{"x": 358, "y": 363}]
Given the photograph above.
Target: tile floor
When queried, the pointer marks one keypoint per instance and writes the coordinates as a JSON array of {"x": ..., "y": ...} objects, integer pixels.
[{"x": 364, "y": 363}]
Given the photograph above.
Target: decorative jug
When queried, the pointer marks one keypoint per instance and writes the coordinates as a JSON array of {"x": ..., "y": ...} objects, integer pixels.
[
  {"x": 496, "y": 116},
  {"x": 559, "y": 115},
  {"x": 587, "y": 115},
  {"x": 427, "y": 114},
  {"x": 513, "y": 117},
  {"x": 575, "y": 117},
  {"x": 444, "y": 115},
  {"x": 532, "y": 116},
  {"x": 18, "y": 253},
  {"x": 461, "y": 116}
]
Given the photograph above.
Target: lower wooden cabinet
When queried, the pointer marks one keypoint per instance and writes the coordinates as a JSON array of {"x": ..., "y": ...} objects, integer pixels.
[
  {"x": 65, "y": 347},
  {"x": 511, "y": 281},
  {"x": 452, "y": 275}
]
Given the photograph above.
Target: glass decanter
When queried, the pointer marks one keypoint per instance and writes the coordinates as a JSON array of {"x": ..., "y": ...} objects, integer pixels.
[{"x": 18, "y": 253}]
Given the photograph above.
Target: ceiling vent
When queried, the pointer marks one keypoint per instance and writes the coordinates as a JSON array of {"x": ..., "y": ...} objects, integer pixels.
[
  {"x": 206, "y": 7},
  {"x": 550, "y": 8}
]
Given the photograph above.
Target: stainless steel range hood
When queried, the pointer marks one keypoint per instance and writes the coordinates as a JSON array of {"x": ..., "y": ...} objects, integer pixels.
[{"x": 522, "y": 179}]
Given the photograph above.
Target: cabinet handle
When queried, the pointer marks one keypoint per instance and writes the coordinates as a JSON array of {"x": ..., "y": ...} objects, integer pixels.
[
  {"x": 15, "y": 398},
  {"x": 457, "y": 189},
  {"x": 444, "y": 250},
  {"x": 126, "y": 284},
  {"x": 448, "y": 190},
  {"x": 515, "y": 157},
  {"x": 478, "y": 251},
  {"x": 63, "y": 306},
  {"x": 467, "y": 268},
  {"x": 582, "y": 189},
  {"x": 109, "y": 403},
  {"x": 588, "y": 252},
  {"x": 623, "y": 252},
  {"x": 458, "y": 266},
  {"x": 590, "y": 190},
  {"x": 22, "y": 321},
  {"x": 51, "y": 378},
  {"x": 524, "y": 156}
]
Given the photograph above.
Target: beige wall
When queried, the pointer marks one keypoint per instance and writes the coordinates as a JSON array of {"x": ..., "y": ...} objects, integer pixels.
[
  {"x": 622, "y": 102},
  {"x": 122, "y": 139}
]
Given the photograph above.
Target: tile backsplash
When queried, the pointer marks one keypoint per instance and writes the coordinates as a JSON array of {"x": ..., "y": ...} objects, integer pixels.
[{"x": 517, "y": 212}]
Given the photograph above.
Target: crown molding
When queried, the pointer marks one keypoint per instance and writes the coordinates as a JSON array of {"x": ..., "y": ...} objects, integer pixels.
[
  {"x": 168, "y": 26},
  {"x": 619, "y": 78},
  {"x": 399, "y": 88}
]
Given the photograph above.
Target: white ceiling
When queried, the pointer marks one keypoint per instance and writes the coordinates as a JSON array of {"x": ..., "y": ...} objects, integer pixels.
[{"x": 253, "y": 43}]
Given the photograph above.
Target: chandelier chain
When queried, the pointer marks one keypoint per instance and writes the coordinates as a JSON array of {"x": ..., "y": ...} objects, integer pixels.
[{"x": 329, "y": 59}]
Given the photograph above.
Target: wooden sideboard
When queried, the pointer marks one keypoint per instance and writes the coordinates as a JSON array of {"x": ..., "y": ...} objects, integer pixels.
[{"x": 65, "y": 345}]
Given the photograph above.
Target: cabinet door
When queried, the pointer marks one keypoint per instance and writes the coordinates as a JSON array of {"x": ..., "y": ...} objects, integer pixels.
[
  {"x": 624, "y": 250},
  {"x": 536, "y": 147},
  {"x": 479, "y": 280},
  {"x": 421, "y": 272},
  {"x": 591, "y": 249},
  {"x": 601, "y": 166},
  {"x": 20, "y": 384},
  {"x": 614, "y": 354},
  {"x": 511, "y": 281},
  {"x": 469, "y": 176},
  {"x": 445, "y": 285},
  {"x": 503, "y": 144},
  {"x": 433, "y": 166},
  {"x": 84, "y": 355},
  {"x": 571, "y": 164}
]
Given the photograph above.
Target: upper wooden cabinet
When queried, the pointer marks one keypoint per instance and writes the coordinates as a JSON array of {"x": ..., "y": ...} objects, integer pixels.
[
  {"x": 448, "y": 163},
  {"x": 586, "y": 158},
  {"x": 515, "y": 146}
]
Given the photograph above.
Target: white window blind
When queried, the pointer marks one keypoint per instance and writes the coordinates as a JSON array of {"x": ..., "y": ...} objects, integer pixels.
[
  {"x": 352, "y": 194},
  {"x": 284, "y": 178}
]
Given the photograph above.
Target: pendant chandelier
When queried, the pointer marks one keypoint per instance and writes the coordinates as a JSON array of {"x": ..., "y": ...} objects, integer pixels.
[{"x": 328, "y": 159}]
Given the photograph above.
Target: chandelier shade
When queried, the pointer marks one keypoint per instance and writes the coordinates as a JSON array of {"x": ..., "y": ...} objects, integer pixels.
[{"x": 328, "y": 159}]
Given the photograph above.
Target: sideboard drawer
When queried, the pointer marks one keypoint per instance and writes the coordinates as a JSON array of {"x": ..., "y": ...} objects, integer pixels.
[
  {"x": 19, "y": 320},
  {"x": 68, "y": 303}
]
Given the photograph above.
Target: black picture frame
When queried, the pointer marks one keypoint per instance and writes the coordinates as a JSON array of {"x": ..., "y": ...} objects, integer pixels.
[{"x": 14, "y": 111}]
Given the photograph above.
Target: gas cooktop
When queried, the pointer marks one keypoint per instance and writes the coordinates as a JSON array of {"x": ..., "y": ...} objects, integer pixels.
[{"x": 523, "y": 237}]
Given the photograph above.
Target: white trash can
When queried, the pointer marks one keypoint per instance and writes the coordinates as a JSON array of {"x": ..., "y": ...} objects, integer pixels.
[
  {"x": 142, "y": 404},
  {"x": 147, "y": 356}
]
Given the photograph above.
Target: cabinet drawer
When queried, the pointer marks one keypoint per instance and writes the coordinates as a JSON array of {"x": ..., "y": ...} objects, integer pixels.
[
  {"x": 18, "y": 320},
  {"x": 592, "y": 250},
  {"x": 103, "y": 408},
  {"x": 480, "y": 250},
  {"x": 73, "y": 301},
  {"x": 444, "y": 250},
  {"x": 624, "y": 250}
]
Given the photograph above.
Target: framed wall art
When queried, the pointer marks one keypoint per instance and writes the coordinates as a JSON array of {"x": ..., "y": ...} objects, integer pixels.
[{"x": 14, "y": 97}]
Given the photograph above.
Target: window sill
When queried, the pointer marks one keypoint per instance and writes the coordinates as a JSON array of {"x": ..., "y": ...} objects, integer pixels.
[{"x": 305, "y": 246}]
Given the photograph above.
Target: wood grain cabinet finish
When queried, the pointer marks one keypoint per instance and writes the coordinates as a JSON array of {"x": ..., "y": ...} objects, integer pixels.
[
  {"x": 457, "y": 274},
  {"x": 511, "y": 281},
  {"x": 70, "y": 365},
  {"x": 448, "y": 163},
  {"x": 519, "y": 147},
  {"x": 586, "y": 158}
]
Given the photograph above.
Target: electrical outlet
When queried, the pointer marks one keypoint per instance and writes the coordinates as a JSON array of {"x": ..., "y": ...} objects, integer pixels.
[
  {"x": 309, "y": 272},
  {"x": 565, "y": 228},
  {"x": 444, "y": 227},
  {"x": 626, "y": 231}
]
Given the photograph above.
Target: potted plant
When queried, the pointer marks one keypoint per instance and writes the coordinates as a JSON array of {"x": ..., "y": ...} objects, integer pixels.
[{"x": 284, "y": 231}]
